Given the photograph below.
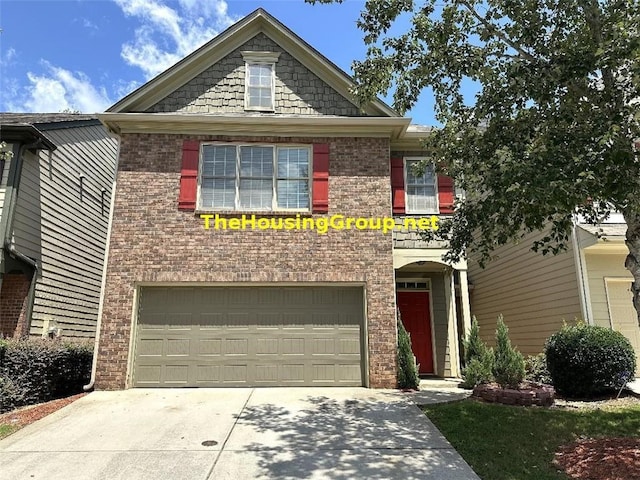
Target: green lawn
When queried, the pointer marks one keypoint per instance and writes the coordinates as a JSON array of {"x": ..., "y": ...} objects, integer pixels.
[
  {"x": 6, "y": 430},
  {"x": 515, "y": 443}
]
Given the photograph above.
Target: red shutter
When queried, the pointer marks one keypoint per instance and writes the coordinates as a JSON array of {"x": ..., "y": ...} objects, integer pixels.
[
  {"x": 445, "y": 194},
  {"x": 189, "y": 175},
  {"x": 397, "y": 185},
  {"x": 320, "y": 178}
]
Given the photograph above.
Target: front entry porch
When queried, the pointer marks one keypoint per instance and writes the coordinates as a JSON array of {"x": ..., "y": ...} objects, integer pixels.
[{"x": 432, "y": 299}]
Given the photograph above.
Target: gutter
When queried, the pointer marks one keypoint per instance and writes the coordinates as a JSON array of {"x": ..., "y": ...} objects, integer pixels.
[{"x": 583, "y": 281}]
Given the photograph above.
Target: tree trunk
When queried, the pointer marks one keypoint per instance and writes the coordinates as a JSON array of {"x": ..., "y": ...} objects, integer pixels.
[{"x": 632, "y": 263}]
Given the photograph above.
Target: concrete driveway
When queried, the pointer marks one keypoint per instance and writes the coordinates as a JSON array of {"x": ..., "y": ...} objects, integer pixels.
[{"x": 310, "y": 433}]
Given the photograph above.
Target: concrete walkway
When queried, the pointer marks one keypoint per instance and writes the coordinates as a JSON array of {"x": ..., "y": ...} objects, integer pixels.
[{"x": 270, "y": 433}]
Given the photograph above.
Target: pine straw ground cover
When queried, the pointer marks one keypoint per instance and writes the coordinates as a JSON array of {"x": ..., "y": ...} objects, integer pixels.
[
  {"x": 597, "y": 440},
  {"x": 13, "y": 421}
]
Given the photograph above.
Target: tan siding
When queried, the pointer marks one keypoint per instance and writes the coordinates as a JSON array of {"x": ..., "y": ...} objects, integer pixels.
[
  {"x": 26, "y": 222},
  {"x": 598, "y": 267},
  {"x": 440, "y": 326},
  {"x": 74, "y": 228},
  {"x": 535, "y": 293}
]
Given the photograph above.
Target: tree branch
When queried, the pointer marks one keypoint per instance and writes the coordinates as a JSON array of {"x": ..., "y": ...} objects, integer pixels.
[{"x": 499, "y": 33}]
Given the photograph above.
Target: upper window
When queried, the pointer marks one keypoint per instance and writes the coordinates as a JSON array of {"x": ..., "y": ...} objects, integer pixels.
[
  {"x": 421, "y": 190},
  {"x": 254, "y": 177},
  {"x": 260, "y": 80}
]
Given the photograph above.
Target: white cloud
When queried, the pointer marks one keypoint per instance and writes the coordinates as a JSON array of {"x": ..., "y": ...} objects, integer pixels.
[
  {"x": 166, "y": 35},
  {"x": 59, "y": 89},
  {"x": 7, "y": 57},
  {"x": 86, "y": 23}
]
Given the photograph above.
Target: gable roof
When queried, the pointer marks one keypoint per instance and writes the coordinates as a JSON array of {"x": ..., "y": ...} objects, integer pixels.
[{"x": 226, "y": 42}]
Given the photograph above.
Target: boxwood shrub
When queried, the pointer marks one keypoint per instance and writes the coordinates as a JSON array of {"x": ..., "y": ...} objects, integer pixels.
[
  {"x": 34, "y": 371},
  {"x": 586, "y": 360}
]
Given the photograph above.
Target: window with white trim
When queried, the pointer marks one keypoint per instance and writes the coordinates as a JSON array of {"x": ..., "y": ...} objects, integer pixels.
[
  {"x": 260, "y": 80},
  {"x": 255, "y": 177},
  {"x": 421, "y": 190}
]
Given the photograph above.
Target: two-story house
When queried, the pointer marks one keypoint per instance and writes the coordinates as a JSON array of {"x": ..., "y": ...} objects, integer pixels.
[
  {"x": 55, "y": 197},
  {"x": 264, "y": 227}
]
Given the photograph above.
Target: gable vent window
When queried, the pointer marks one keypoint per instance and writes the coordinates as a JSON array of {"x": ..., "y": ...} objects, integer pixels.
[{"x": 260, "y": 80}]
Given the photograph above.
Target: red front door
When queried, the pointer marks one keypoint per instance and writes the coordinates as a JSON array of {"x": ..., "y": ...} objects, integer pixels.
[{"x": 414, "y": 311}]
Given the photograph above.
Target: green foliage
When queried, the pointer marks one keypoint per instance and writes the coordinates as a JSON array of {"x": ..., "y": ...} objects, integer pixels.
[
  {"x": 4, "y": 153},
  {"x": 407, "y": 368},
  {"x": 508, "y": 364},
  {"x": 472, "y": 345},
  {"x": 586, "y": 360},
  {"x": 553, "y": 123},
  {"x": 536, "y": 369},
  {"x": 33, "y": 371},
  {"x": 478, "y": 359}
]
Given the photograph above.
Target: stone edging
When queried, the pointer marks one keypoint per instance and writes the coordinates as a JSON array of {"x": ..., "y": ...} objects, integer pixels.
[{"x": 534, "y": 394}]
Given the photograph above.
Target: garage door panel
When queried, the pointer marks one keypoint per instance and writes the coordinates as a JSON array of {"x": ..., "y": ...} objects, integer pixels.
[
  {"x": 207, "y": 374},
  {"x": 313, "y": 340},
  {"x": 208, "y": 347}
]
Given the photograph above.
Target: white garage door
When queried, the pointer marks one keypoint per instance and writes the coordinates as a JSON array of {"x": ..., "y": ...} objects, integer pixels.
[{"x": 249, "y": 336}]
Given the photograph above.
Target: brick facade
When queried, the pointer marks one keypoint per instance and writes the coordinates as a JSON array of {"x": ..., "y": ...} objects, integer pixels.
[
  {"x": 13, "y": 305},
  {"x": 152, "y": 241},
  {"x": 220, "y": 88}
]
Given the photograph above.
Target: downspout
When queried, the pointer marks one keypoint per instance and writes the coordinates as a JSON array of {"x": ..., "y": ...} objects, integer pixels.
[
  {"x": 583, "y": 286},
  {"x": 7, "y": 244},
  {"x": 94, "y": 364}
]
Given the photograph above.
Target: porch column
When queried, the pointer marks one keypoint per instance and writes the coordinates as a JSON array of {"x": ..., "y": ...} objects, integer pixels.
[
  {"x": 464, "y": 302},
  {"x": 452, "y": 340}
]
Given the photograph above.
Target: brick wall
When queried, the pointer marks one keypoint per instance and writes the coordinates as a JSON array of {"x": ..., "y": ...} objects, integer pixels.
[
  {"x": 220, "y": 88},
  {"x": 13, "y": 305},
  {"x": 152, "y": 241}
]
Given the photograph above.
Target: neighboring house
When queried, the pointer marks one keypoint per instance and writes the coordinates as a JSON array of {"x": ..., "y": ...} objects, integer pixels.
[
  {"x": 257, "y": 122},
  {"x": 537, "y": 293},
  {"x": 55, "y": 196}
]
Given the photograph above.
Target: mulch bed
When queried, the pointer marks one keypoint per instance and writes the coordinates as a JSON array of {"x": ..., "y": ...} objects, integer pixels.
[
  {"x": 601, "y": 459},
  {"x": 26, "y": 415}
]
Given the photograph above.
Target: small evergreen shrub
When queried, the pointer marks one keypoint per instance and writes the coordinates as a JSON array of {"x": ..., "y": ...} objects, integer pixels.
[
  {"x": 407, "y": 368},
  {"x": 508, "y": 363},
  {"x": 536, "y": 369},
  {"x": 477, "y": 358},
  {"x": 473, "y": 346},
  {"x": 34, "y": 371},
  {"x": 587, "y": 360}
]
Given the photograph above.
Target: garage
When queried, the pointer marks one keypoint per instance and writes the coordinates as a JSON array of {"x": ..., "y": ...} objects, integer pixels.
[{"x": 249, "y": 336}]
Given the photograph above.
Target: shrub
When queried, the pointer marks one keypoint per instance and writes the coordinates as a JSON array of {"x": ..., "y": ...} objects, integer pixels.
[
  {"x": 478, "y": 359},
  {"x": 33, "y": 371},
  {"x": 407, "y": 368},
  {"x": 536, "y": 369},
  {"x": 508, "y": 363},
  {"x": 473, "y": 346},
  {"x": 586, "y": 360}
]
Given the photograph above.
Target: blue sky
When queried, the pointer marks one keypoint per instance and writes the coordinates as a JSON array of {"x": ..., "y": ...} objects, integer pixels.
[{"x": 87, "y": 54}]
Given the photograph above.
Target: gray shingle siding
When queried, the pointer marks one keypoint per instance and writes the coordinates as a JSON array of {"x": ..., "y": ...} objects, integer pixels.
[{"x": 220, "y": 88}]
